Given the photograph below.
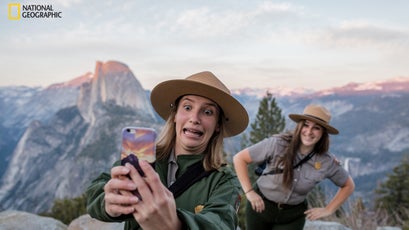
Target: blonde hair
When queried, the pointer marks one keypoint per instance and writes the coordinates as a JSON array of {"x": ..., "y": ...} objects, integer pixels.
[{"x": 213, "y": 158}]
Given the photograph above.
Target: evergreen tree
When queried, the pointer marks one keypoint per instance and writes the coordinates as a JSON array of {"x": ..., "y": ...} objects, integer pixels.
[
  {"x": 67, "y": 210},
  {"x": 269, "y": 120},
  {"x": 244, "y": 141},
  {"x": 393, "y": 194}
]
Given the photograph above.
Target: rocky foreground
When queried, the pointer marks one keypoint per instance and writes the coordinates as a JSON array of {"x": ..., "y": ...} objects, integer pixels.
[{"x": 17, "y": 220}]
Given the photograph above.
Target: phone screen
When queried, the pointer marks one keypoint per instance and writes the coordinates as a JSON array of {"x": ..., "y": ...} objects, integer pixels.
[{"x": 139, "y": 142}]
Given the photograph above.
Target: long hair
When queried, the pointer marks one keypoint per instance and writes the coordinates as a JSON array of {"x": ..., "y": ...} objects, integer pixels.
[
  {"x": 213, "y": 158},
  {"x": 288, "y": 160}
]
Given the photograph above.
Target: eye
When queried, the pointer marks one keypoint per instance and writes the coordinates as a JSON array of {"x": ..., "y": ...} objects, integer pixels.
[
  {"x": 208, "y": 112},
  {"x": 187, "y": 107},
  {"x": 317, "y": 127}
]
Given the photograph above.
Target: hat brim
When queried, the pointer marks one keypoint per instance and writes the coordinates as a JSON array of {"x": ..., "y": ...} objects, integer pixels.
[
  {"x": 164, "y": 95},
  {"x": 299, "y": 117}
]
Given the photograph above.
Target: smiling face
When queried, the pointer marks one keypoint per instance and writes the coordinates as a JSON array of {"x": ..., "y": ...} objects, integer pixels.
[
  {"x": 196, "y": 120},
  {"x": 310, "y": 134}
]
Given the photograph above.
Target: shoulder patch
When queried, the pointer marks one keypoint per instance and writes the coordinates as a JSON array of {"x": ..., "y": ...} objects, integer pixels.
[
  {"x": 198, "y": 208},
  {"x": 336, "y": 161}
]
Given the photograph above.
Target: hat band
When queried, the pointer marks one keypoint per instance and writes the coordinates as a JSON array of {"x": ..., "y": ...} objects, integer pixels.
[{"x": 316, "y": 118}]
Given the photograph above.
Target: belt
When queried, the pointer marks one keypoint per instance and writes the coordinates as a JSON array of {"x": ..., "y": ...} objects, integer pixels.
[
  {"x": 279, "y": 206},
  {"x": 284, "y": 206}
]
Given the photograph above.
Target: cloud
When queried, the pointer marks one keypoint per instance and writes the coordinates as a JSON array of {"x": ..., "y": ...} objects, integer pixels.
[
  {"x": 266, "y": 39},
  {"x": 67, "y": 3},
  {"x": 210, "y": 21},
  {"x": 361, "y": 34}
]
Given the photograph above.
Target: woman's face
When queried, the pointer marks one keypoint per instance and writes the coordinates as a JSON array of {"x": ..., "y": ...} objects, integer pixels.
[
  {"x": 311, "y": 133},
  {"x": 196, "y": 120}
]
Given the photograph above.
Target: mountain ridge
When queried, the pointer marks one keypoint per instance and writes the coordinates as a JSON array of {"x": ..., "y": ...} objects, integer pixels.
[
  {"x": 391, "y": 85},
  {"x": 55, "y": 157}
]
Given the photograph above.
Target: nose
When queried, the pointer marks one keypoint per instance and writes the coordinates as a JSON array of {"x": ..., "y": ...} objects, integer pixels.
[
  {"x": 308, "y": 130},
  {"x": 195, "y": 118}
]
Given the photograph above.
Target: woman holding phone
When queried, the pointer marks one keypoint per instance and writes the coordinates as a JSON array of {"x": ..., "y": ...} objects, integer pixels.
[{"x": 190, "y": 187}]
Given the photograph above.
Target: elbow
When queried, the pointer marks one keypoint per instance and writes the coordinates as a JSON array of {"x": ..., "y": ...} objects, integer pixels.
[
  {"x": 236, "y": 159},
  {"x": 350, "y": 186},
  {"x": 242, "y": 157}
]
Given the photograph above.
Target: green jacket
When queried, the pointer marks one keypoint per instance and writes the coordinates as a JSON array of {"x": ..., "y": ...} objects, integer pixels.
[{"x": 216, "y": 198}]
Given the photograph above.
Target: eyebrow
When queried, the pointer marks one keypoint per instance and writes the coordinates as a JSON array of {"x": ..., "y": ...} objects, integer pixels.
[
  {"x": 315, "y": 124},
  {"x": 207, "y": 104}
]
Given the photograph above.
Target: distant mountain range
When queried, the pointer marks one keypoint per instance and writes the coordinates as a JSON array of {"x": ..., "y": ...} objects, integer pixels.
[{"x": 55, "y": 140}]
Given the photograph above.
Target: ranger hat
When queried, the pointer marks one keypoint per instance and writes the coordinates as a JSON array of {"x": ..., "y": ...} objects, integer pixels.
[
  {"x": 205, "y": 84},
  {"x": 317, "y": 114}
]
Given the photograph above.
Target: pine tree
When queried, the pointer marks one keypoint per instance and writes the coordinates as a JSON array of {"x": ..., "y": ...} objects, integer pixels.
[
  {"x": 269, "y": 120},
  {"x": 393, "y": 194},
  {"x": 67, "y": 209}
]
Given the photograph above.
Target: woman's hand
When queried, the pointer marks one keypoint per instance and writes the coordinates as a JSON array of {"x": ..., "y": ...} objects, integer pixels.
[
  {"x": 241, "y": 160},
  {"x": 118, "y": 196},
  {"x": 157, "y": 209},
  {"x": 342, "y": 195},
  {"x": 256, "y": 201},
  {"x": 317, "y": 213}
]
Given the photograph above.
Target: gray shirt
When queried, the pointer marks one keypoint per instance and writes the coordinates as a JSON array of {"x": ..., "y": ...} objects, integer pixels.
[{"x": 306, "y": 176}]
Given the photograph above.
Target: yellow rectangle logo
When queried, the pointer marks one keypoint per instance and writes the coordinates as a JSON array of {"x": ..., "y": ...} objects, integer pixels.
[{"x": 14, "y": 11}]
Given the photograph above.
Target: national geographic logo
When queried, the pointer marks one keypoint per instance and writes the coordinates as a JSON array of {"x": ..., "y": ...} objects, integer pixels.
[{"x": 16, "y": 11}]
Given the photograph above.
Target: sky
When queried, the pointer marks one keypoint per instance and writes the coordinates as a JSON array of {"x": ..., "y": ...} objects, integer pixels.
[{"x": 310, "y": 44}]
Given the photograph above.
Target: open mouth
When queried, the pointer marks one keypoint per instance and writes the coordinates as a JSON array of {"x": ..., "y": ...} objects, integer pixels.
[{"x": 192, "y": 132}]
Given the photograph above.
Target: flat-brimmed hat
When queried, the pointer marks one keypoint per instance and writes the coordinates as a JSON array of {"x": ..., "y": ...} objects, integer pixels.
[
  {"x": 317, "y": 114},
  {"x": 205, "y": 84}
]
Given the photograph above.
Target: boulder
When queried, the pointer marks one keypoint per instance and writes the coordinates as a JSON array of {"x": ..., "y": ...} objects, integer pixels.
[
  {"x": 86, "y": 222},
  {"x": 324, "y": 225},
  {"x": 18, "y": 220},
  {"x": 388, "y": 228}
]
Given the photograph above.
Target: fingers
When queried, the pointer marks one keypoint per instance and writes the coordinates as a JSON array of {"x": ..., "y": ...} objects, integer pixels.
[
  {"x": 150, "y": 183},
  {"x": 118, "y": 197},
  {"x": 258, "y": 206},
  {"x": 316, "y": 213},
  {"x": 310, "y": 215},
  {"x": 117, "y": 194},
  {"x": 119, "y": 171},
  {"x": 115, "y": 206},
  {"x": 139, "y": 181},
  {"x": 157, "y": 201},
  {"x": 152, "y": 191},
  {"x": 119, "y": 183},
  {"x": 152, "y": 179},
  {"x": 256, "y": 201},
  {"x": 118, "y": 201}
]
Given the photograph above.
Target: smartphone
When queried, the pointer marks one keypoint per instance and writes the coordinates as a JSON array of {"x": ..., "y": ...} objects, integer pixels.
[{"x": 138, "y": 143}]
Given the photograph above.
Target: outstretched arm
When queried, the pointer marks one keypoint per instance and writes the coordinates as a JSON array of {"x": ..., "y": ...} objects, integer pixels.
[
  {"x": 241, "y": 160},
  {"x": 336, "y": 202}
]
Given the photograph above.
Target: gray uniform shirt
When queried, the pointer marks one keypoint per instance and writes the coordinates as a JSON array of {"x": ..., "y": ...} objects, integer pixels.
[{"x": 306, "y": 176}]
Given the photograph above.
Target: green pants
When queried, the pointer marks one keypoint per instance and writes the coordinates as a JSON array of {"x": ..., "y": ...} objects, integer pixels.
[{"x": 274, "y": 218}]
